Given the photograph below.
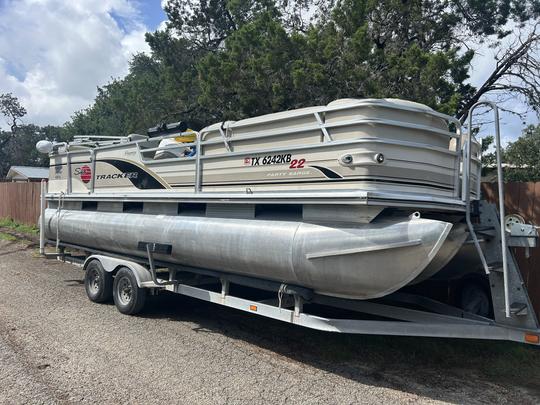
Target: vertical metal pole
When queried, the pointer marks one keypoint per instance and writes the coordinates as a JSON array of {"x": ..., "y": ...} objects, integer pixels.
[
  {"x": 298, "y": 306},
  {"x": 465, "y": 167},
  {"x": 479, "y": 176},
  {"x": 93, "y": 178},
  {"x": 467, "y": 193},
  {"x": 224, "y": 289},
  {"x": 42, "y": 218},
  {"x": 198, "y": 168},
  {"x": 459, "y": 132},
  {"x": 69, "y": 185},
  {"x": 500, "y": 182}
]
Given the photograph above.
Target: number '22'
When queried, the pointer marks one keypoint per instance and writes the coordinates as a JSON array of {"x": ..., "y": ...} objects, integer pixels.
[{"x": 297, "y": 164}]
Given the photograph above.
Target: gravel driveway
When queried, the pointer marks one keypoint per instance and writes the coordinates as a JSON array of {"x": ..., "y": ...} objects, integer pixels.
[{"x": 58, "y": 347}]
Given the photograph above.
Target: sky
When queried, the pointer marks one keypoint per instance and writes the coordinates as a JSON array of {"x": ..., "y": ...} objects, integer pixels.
[
  {"x": 55, "y": 53},
  {"x": 483, "y": 64}
]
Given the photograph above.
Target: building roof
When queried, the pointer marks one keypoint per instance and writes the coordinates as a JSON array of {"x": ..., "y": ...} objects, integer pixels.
[{"x": 27, "y": 172}]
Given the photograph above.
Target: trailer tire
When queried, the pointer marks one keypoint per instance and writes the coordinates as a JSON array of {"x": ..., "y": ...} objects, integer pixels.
[
  {"x": 474, "y": 297},
  {"x": 128, "y": 297},
  {"x": 98, "y": 283}
]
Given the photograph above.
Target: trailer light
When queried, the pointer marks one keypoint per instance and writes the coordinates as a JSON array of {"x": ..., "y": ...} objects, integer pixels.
[
  {"x": 253, "y": 308},
  {"x": 530, "y": 338}
]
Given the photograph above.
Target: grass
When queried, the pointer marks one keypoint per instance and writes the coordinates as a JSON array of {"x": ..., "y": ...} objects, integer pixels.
[
  {"x": 490, "y": 357},
  {"x": 7, "y": 237},
  {"x": 10, "y": 224},
  {"x": 500, "y": 361}
]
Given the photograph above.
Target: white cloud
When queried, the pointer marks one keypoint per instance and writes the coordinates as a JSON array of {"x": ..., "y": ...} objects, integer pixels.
[
  {"x": 54, "y": 53},
  {"x": 162, "y": 25}
]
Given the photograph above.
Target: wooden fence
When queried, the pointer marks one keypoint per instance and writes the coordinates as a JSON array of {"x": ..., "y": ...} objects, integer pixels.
[
  {"x": 522, "y": 199},
  {"x": 20, "y": 201}
]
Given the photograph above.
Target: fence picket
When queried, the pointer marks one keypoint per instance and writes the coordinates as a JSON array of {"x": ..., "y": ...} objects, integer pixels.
[{"x": 20, "y": 201}]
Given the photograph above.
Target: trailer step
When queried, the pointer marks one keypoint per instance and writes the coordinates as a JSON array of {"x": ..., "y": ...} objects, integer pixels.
[
  {"x": 518, "y": 309},
  {"x": 66, "y": 257},
  {"x": 496, "y": 266},
  {"x": 486, "y": 231}
]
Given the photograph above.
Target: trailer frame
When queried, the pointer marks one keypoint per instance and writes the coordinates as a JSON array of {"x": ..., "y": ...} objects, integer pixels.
[{"x": 393, "y": 315}]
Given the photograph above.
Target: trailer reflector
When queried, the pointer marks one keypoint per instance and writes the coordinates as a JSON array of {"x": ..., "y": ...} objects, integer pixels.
[
  {"x": 530, "y": 338},
  {"x": 253, "y": 308}
]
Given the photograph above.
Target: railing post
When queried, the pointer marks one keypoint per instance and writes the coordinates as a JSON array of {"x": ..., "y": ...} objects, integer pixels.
[
  {"x": 42, "y": 201},
  {"x": 198, "y": 168},
  {"x": 326, "y": 135},
  {"x": 459, "y": 133},
  {"x": 69, "y": 180},
  {"x": 500, "y": 182},
  {"x": 225, "y": 138},
  {"x": 93, "y": 178}
]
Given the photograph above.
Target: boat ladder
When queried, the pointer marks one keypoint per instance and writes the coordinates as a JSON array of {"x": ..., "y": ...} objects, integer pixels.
[{"x": 511, "y": 304}]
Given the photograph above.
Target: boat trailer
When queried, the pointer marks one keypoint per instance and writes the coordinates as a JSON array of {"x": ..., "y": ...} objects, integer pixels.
[{"x": 127, "y": 279}]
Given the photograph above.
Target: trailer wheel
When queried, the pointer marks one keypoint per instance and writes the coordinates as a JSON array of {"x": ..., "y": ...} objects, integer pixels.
[
  {"x": 98, "y": 283},
  {"x": 128, "y": 297}
]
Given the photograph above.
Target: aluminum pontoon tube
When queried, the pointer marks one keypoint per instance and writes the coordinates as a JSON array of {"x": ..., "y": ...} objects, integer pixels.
[{"x": 357, "y": 261}]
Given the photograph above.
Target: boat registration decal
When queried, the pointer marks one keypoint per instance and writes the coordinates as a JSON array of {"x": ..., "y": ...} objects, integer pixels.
[{"x": 275, "y": 160}]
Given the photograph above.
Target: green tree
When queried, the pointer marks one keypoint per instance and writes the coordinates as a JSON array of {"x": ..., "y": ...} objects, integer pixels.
[
  {"x": 12, "y": 110},
  {"x": 523, "y": 156},
  {"x": 17, "y": 146},
  {"x": 229, "y": 59}
]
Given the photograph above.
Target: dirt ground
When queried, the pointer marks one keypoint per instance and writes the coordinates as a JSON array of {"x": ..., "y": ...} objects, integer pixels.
[{"x": 58, "y": 347}]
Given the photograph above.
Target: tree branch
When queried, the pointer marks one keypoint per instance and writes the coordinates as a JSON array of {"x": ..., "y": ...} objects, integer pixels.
[{"x": 509, "y": 61}]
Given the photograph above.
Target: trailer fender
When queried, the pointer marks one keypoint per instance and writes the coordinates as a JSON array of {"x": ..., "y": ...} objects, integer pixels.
[{"x": 112, "y": 264}]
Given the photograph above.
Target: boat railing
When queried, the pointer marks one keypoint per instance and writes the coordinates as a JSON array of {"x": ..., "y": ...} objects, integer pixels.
[
  {"x": 94, "y": 141},
  {"x": 147, "y": 154}
]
